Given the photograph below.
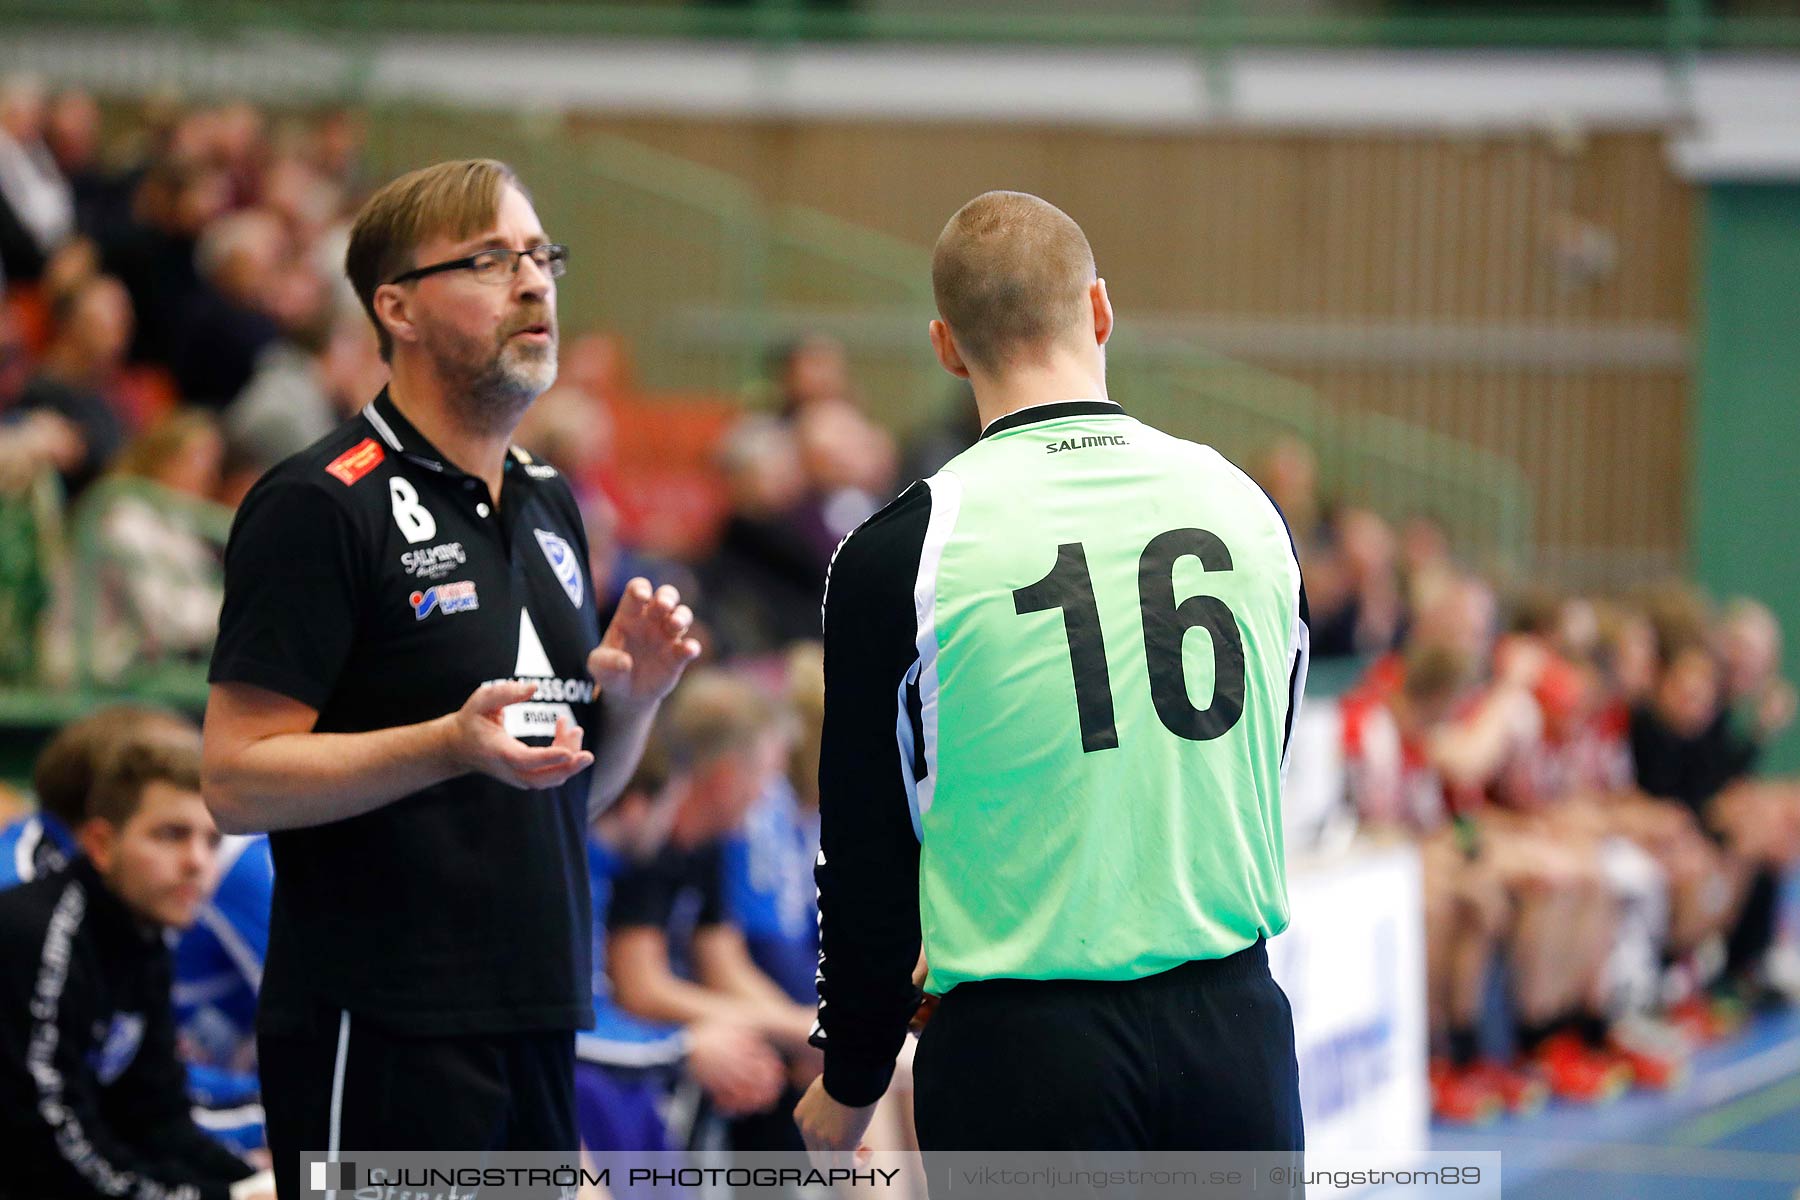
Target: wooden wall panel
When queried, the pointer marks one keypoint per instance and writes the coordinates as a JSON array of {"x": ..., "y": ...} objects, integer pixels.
[
  {"x": 1421, "y": 226},
  {"x": 1581, "y": 242}
]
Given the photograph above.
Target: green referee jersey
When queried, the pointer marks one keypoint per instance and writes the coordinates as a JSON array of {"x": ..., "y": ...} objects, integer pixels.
[{"x": 1060, "y": 678}]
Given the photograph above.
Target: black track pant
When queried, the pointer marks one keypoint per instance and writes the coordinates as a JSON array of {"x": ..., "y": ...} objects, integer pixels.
[
  {"x": 1751, "y": 938},
  {"x": 354, "y": 1085},
  {"x": 1200, "y": 1057}
]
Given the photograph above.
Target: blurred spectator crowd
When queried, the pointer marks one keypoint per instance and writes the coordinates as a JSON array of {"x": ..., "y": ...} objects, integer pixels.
[
  {"x": 1579, "y": 773},
  {"x": 175, "y": 321},
  {"x": 1602, "y": 861}
]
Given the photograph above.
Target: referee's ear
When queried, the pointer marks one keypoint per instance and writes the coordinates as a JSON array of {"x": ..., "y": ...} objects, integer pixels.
[
  {"x": 1103, "y": 314},
  {"x": 393, "y": 310},
  {"x": 945, "y": 349}
]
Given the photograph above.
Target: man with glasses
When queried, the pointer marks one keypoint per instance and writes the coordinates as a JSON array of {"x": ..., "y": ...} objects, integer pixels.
[{"x": 409, "y": 690}]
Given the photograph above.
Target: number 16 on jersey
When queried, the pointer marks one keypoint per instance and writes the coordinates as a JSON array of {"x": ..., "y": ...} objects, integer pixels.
[{"x": 1070, "y": 587}]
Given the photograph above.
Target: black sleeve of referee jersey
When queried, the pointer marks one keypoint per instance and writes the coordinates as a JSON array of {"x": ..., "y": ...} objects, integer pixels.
[
  {"x": 294, "y": 583},
  {"x": 868, "y": 866}
]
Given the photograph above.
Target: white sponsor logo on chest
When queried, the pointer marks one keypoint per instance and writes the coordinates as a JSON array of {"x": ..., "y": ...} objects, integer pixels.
[{"x": 564, "y": 562}]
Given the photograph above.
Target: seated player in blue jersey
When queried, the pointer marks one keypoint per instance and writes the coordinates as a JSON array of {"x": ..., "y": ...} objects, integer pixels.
[
  {"x": 673, "y": 954},
  {"x": 769, "y": 862},
  {"x": 218, "y": 961},
  {"x": 629, "y": 1070},
  {"x": 218, "y": 972},
  {"x": 768, "y": 888},
  {"x": 64, "y": 771}
]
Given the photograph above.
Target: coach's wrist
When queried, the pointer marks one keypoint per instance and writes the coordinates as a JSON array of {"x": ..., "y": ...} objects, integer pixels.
[
  {"x": 616, "y": 709},
  {"x": 449, "y": 750}
]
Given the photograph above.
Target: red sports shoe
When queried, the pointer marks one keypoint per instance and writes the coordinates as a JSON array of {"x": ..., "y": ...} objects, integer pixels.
[
  {"x": 1460, "y": 1096},
  {"x": 1578, "y": 1072},
  {"x": 1520, "y": 1088},
  {"x": 1655, "y": 1051},
  {"x": 1707, "y": 1019}
]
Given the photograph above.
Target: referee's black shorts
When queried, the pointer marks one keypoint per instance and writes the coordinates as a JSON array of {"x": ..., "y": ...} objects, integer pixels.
[
  {"x": 1200, "y": 1057},
  {"x": 348, "y": 1083}
]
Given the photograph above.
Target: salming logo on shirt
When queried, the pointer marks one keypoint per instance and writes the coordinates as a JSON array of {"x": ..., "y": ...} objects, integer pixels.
[{"x": 1084, "y": 443}]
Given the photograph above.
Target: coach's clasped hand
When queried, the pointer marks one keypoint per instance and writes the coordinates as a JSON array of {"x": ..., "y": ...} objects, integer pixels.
[
  {"x": 480, "y": 741},
  {"x": 637, "y": 663}
]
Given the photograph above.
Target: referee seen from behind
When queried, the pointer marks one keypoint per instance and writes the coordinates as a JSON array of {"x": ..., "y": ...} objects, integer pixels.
[
  {"x": 410, "y": 687},
  {"x": 1060, "y": 678}
]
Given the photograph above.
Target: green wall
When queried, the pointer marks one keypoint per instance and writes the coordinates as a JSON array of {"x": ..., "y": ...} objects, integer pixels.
[{"x": 1746, "y": 462}]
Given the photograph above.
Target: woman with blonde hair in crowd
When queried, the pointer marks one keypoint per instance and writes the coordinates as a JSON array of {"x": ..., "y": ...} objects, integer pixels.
[{"x": 149, "y": 545}]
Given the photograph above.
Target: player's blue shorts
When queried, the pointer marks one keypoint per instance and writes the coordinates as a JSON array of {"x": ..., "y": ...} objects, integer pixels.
[{"x": 617, "y": 1109}]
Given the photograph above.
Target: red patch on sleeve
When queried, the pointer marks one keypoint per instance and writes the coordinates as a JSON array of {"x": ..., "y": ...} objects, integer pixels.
[{"x": 356, "y": 462}]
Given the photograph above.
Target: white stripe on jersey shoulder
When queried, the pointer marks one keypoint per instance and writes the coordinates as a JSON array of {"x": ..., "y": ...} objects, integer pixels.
[
  {"x": 25, "y": 851},
  {"x": 946, "y": 504},
  {"x": 236, "y": 949},
  {"x": 231, "y": 848},
  {"x": 381, "y": 426}
]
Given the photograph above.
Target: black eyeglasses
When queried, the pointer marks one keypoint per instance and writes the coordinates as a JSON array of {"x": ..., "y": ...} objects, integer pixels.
[{"x": 498, "y": 265}]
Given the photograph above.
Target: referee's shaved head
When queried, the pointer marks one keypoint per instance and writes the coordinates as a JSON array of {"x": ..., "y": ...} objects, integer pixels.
[{"x": 1010, "y": 274}]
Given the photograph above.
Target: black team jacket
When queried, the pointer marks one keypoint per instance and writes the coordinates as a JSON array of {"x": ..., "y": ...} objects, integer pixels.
[{"x": 93, "y": 1100}]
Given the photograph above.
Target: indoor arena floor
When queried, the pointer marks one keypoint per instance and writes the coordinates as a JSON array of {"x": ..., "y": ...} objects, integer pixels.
[{"x": 1732, "y": 1131}]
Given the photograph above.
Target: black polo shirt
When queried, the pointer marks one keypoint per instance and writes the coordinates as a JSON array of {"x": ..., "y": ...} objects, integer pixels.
[{"x": 369, "y": 578}]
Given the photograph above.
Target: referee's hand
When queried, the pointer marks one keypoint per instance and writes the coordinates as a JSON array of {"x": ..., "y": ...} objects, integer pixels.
[
  {"x": 481, "y": 743},
  {"x": 831, "y": 1130}
]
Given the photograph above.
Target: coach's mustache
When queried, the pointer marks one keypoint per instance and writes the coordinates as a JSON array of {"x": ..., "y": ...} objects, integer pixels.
[{"x": 535, "y": 320}]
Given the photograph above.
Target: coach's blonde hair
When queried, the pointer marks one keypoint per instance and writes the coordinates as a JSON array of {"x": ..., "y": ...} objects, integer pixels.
[
  {"x": 453, "y": 199},
  {"x": 1010, "y": 274}
]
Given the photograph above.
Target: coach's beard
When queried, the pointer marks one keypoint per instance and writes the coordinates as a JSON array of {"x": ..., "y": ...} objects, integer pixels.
[{"x": 491, "y": 393}]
